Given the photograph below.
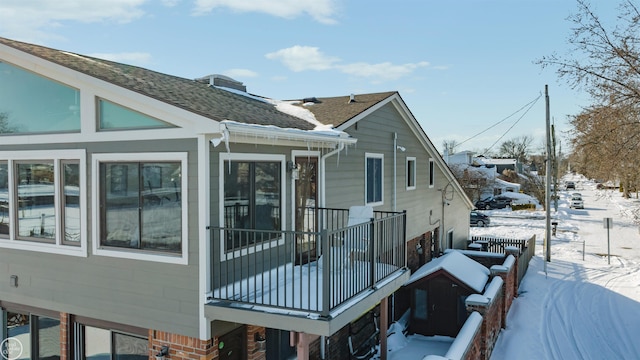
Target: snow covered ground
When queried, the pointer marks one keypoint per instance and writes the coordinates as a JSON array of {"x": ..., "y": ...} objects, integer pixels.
[{"x": 578, "y": 306}]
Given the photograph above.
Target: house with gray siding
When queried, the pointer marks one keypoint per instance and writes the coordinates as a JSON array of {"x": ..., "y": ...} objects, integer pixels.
[{"x": 143, "y": 214}]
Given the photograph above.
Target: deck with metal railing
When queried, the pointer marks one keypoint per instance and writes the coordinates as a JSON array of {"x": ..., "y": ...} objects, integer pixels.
[{"x": 314, "y": 272}]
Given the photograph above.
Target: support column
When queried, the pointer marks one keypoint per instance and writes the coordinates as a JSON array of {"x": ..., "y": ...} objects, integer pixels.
[{"x": 384, "y": 325}]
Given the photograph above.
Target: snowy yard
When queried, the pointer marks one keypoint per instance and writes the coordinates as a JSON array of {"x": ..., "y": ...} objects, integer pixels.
[{"x": 569, "y": 308}]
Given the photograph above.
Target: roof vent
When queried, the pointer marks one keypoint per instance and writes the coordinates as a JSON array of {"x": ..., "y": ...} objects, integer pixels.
[
  {"x": 310, "y": 100},
  {"x": 222, "y": 81},
  {"x": 352, "y": 98}
]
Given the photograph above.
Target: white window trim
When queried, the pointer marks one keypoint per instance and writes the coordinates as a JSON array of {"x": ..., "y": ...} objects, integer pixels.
[
  {"x": 56, "y": 156},
  {"x": 224, "y": 255},
  {"x": 450, "y": 236},
  {"x": 411, "y": 162},
  {"x": 169, "y": 258},
  {"x": 432, "y": 174},
  {"x": 374, "y": 156}
]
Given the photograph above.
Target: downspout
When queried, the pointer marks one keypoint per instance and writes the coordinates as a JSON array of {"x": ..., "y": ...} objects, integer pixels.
[
  {"x": 323, "y": 159},
  {"x": 323, "y": 202},
  {"x": 395, "y": 151}
]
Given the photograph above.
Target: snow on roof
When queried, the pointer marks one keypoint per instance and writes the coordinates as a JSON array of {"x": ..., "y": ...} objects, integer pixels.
[
  {"x": 287, "y": 107},
  {"x": 500, "y": 161},
  {"x": 468, "y": 271}
]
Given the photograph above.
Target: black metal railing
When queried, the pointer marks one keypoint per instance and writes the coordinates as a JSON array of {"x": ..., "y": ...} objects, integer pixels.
[{"x": 310, "y": 271}]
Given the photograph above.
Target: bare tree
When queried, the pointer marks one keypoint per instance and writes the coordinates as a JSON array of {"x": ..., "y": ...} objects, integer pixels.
[
  {"x": 474, "y": 183},
  {"x": 450, "y": 146},
  {"x": 606, "y": 142},
  {"x": 517, "y": 148},
  {"x": 4, "y": 124},
  {"x": 604, "y": 62}
]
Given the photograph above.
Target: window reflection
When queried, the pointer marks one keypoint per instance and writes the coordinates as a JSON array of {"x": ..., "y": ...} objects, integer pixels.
[
  {"x": 4, "y": 199},
  {"x": 142, "y": 205},
  {"x": 252, "y": 200},
  {"x": 113, "y": 116},
  {"x": 57, "y": 109},
  {"x": 18, "y": 327},
  {"x": 71, "y": 202},
  {"x": 36, "y": 208},
  {"x": 48, "y": 338},
  {"x": 97, "y": 343}
]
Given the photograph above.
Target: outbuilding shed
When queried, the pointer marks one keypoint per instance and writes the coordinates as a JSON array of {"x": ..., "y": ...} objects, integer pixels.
[{"x": 438, "y": 291}]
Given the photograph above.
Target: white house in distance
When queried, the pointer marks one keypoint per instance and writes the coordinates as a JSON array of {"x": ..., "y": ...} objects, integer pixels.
[{"x": 488, "y": 168}]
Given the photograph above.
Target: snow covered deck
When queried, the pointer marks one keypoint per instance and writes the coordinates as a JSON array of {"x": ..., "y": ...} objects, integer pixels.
[{"x": 287, "y": 277}]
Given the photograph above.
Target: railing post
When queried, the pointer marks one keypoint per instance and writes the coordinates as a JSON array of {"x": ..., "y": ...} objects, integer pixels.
[
  {"x": 403, "y": 239},
  {"x": 326, "y": 273},
  {"x": 373, "y": 240}
]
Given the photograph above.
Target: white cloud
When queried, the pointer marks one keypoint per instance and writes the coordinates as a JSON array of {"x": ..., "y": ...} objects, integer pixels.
[
  {"x": 127, "y": 57},
  {"x": 170, "y": 3},
  {"x": 299, "y": 58},
  {"x": 241, "y": 73},
  {"x": 32, "y": 20},
  {"x": 381, "y": 71},
  {"x": 322, "y": 11}
]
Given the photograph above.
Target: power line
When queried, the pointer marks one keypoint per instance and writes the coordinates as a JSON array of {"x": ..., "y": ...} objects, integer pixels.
[
  {"x": 514, "y": 124},
  {"x": 530, "y": 104}
]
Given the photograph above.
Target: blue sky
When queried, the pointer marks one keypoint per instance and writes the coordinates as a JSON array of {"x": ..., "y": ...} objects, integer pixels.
[{"x": 461, "y": 66}]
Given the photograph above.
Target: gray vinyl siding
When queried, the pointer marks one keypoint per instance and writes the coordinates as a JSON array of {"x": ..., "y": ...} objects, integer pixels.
[
  {"x": 345, "y": 176},
  {"x": 133, "y": 292}
]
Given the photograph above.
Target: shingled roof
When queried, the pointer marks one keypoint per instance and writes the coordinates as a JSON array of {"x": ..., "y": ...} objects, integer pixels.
[
  {"x": 187, "y": 94},
  {"x": 338, "y": 110}
]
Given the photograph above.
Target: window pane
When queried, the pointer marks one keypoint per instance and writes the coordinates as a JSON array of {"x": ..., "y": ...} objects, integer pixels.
[
  {"x": 236, "y": 195},
  {"x": 120, "y": 198},
  {"x": 374, "y": 180},
  {"x": 71, "y": 203},
  {"x": 431, "y": 173},
  {"x": 161, "y": 209},
  {"x": 48, "y": 338},
  {"x": 36, "y": 208},
  {"x": 18, "y": 328},
  {"x": 411, "y": 167},
  {"x": 252, "y": 201},
  {"x": 97, "y": 343},
  {"x": 267, "y": 196},
  {"x": 113, "y": 116},
  {"x": 420, "y": 297},
  {"x": 130, "y": 347},
  {"x": 34, "y": 104},
  {"x": 4, "y": 199}
]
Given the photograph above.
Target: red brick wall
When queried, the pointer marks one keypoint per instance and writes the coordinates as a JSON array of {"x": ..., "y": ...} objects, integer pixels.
[
  {"x": 64, "y": 335},
  {"x": 182, "y": 347},
  {"x": 253, "y": 353},
  {"x": 474, "y": 352},
  {"x": 414, "y": 259},
  {"x": 491, "y": 323}
]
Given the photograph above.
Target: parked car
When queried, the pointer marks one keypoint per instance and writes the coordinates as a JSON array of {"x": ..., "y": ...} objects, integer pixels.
[
  {"x": 495, "y": 202},
  {"x": 577, "y": 202},
  {"x": 569, "y": 185},
  {"x": 478, "y": 219}
]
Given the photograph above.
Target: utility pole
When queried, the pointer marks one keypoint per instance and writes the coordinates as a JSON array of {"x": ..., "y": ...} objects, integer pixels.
[
  {"x": 547, "y": 200},
  {"x": 554, "y": 167}
]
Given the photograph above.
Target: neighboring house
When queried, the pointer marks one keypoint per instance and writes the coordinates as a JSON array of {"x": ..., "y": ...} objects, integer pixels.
[
  {"x": 465, "y": 164},
  {"x": 143, "y": 211}
]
